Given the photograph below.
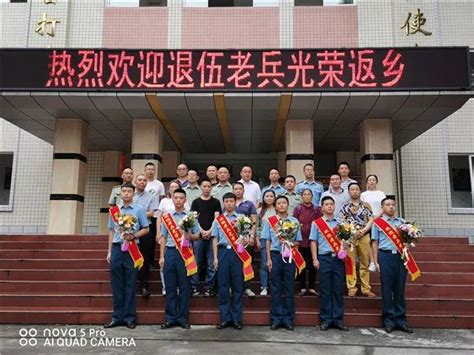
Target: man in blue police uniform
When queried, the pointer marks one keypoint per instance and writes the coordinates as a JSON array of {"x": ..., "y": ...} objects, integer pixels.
[
  {"x": 150, "y": 203},
  {"x": 174, "y": 270},
  {"x": 274, "y": 177},
  {"x": 331, "y": 271},
  {"x": 229, "y": 270},
  {"x": 122, "y": 271},
  {"x": 309, "y": 183},
  {"x": 392, "y": 270},
  {"x": 282, "y": 312},
  {"x": 247, "y": 208}
]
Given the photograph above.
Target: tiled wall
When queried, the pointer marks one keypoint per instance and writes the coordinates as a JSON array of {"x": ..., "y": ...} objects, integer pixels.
[
  {"x": 239, "y": 27},
  {"x": 33, "y": 179},
  {"x": 425, "y": 175},
  {"x": 325, "y": 26},
  {"x": 135, "y": 27},
  {"x": 92, "y": 192}
]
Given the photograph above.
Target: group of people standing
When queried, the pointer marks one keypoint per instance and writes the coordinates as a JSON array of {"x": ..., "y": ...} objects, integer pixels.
[{"x": 218, "y": 202}]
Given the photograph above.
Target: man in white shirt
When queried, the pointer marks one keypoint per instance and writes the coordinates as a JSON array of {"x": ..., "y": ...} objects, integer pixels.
[
  {"x": 252, "y": 190},
  {"x": 156, "y": 188},
  {"x": 153, "y": 186},
  {"x": 338, "y": 194},
  {"x": 182, "y": 174}
]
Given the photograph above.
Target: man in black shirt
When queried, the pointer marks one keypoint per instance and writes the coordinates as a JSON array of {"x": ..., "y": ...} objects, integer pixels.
[{"x": 208, "y": 208}]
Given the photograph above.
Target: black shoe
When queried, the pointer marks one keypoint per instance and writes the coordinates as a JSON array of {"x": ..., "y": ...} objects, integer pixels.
[
  {"x": 131, "y": 325},
  {"x": 289, "y": 327},
  {"x": 113, "y": 324},
  {"x": 185, "y": 326},
  {"x": 195, "y": 292},
  {"x": 167, "y": 325},
  {"x": 388, "y": 328},
  {"x": 341, "y": 327},
  {"x": 145, "y": 292},
  {"x": 274, "y": 326},
  {"x": 405, "y": 329},
  {"x": 224, "y": 325},
  {"x": 237, "y": 326},
  {"x": 324, "y": 327},
  {"x": 209, "y": 293}
]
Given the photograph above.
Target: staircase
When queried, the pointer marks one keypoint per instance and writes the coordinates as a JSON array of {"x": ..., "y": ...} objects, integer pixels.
[{"x": 49, "y": 279}]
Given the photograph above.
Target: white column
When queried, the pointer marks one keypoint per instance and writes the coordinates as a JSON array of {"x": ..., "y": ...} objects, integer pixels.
[
  {"x": 376, "y": 150},
  {"x": 147, "y": 144},
  {"x": 299, "y": 146},
  {"x": 66, "y": 207}
]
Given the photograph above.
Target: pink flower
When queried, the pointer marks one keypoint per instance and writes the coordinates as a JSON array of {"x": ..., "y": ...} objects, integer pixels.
[
  {"x": 342, "y": 254},
  {"x": 240, "y": 248},
  {"x": 185, "y": 243}
]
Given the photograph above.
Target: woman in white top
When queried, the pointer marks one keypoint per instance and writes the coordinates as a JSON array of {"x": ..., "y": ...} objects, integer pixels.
[
  {"x": 373, "y": 196},
  {"x": 267, "y": 210},
  {"x": 166, "y": 206}
]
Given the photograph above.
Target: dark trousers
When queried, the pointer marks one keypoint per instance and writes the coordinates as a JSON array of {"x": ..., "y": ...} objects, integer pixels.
[
  {"x": 123, "y": 277},
  {"x": 177, "y": 306},
  {"x": 282, "y": 310},
  {"x": 331, "y": 280},
  {"x": 393, "y": 277},
  {"x": 147, "y": 249},
  {"x": 229, "y": 274},
  {"x": 203, "y": 248},
  {"x": 309, "y": 273}
]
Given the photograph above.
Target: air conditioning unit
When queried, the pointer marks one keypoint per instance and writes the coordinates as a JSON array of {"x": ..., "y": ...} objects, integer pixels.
[{"x": 153, "y": 2}]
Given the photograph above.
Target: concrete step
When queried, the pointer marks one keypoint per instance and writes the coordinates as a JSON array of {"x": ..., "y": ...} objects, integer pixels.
[
  {"x": 412, "y": 290},
  {"x": 156, "y": 301},
  {"x": 458, "y": 278},
  {"x": 100, "y": 253},
  {"x": 369, "y": 318},
  {"x": 101, "y": 263}
]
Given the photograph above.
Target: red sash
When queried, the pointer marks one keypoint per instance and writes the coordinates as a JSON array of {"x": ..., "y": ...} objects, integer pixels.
[
  {"x": 185, "y": 252},
  {"x": 392, "y": 234},
  {"x": 295, "y": 253},
  {"x": 335, "y": 244},
  {"x": 133, "y": 249},
  {"x": 232, "y": 237}
]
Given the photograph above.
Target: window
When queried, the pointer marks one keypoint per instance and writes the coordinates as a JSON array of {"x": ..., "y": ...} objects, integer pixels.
[
  {"x": 153, "y": 2},
  {"x": 6, "y": 173},
  {"x": 136, "y": 3},
  {"x": 229, "y": 3},
  {"x": 461, "y": 179},
  {"x": 322, "y": 2}
]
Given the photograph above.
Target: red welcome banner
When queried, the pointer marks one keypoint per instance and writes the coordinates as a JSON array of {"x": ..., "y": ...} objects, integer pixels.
[{"x": 348, "y": 69}]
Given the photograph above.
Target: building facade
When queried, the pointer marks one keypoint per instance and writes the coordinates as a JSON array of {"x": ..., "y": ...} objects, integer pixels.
[{"x": 425, "y": 138}]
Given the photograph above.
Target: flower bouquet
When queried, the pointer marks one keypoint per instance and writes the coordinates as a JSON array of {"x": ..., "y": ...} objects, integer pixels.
[
  {"x": 186, "y": 224},
  {"x": 345, "y": 232},
  {"x": 126, "y": 225},
  {"x": 286, "y": 232},
  {"x": 243, "y": 226},
  {"x": 409, "y": 233}
]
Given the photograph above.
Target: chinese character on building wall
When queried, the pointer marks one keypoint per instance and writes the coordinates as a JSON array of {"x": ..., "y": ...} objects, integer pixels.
[
  {"x": 47, "y": 25},
  {"x": 414, "y": 24}
]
